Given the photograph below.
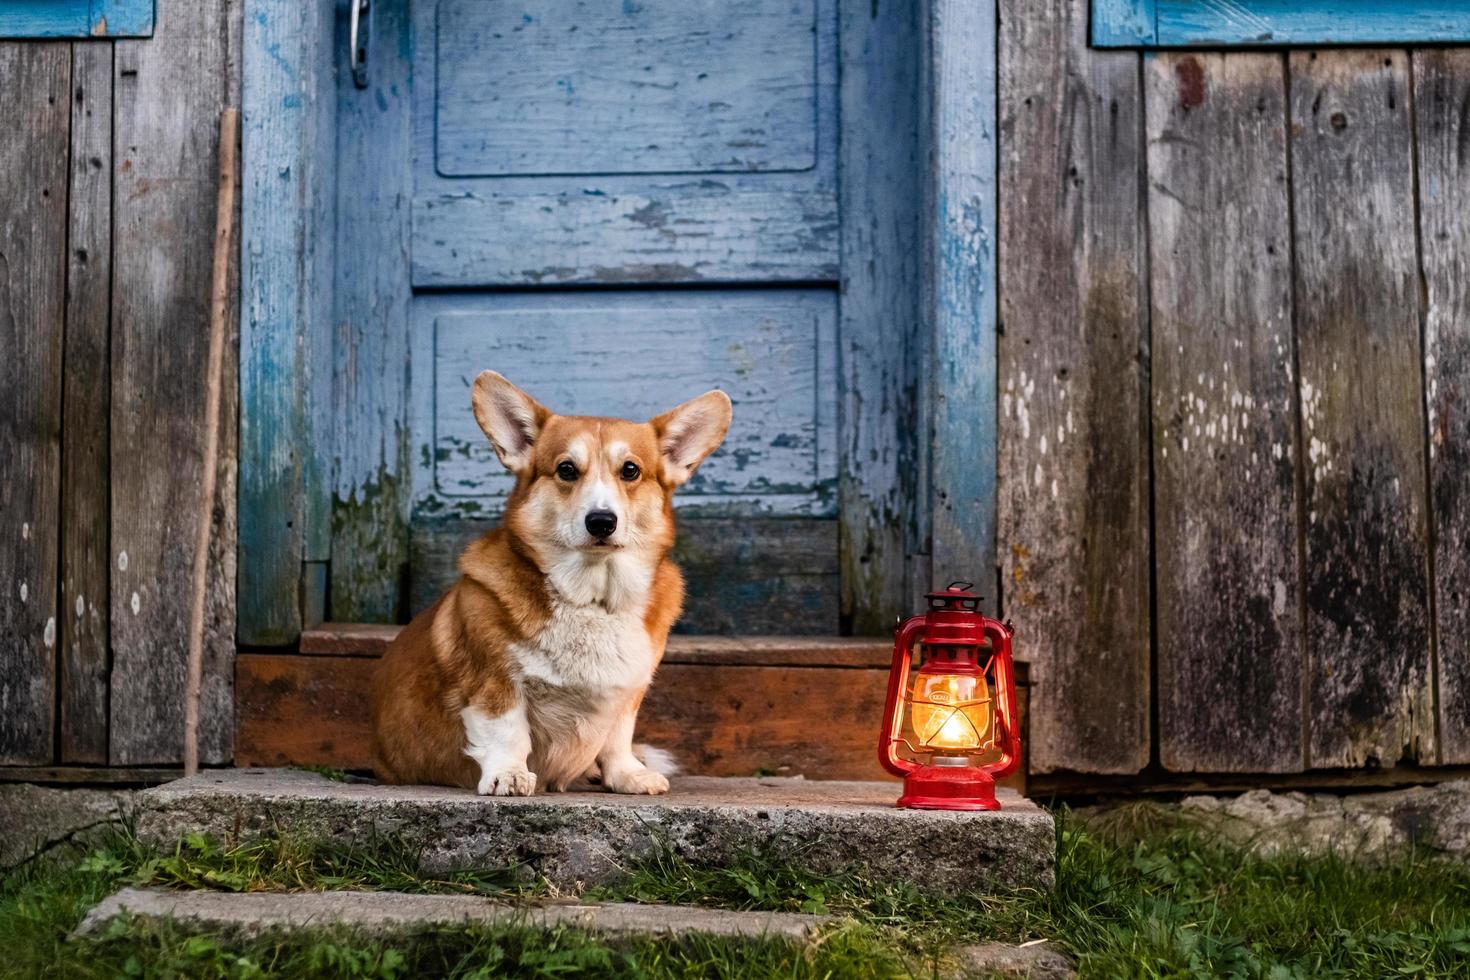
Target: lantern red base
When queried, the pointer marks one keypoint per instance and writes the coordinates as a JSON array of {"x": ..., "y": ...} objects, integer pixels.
[{"x": 948, "y": 788}]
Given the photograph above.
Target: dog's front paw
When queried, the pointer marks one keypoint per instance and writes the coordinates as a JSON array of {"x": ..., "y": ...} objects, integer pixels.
[
  {"x": 643, "y": 782},
  {"x": 508, "y": 782}
]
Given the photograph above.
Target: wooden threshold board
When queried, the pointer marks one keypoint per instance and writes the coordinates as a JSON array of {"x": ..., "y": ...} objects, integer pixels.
[{"x": 723, "y": 705}]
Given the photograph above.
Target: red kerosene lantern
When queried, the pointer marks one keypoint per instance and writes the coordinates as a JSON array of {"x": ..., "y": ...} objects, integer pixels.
[{"x": 958, "y": 719}]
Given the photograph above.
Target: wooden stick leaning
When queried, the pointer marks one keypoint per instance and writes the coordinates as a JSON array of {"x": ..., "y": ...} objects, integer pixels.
[{"x": 224, "y": 235}]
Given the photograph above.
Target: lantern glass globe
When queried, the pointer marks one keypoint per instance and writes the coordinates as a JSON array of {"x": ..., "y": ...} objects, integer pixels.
[{"x": 951, "y": 712}]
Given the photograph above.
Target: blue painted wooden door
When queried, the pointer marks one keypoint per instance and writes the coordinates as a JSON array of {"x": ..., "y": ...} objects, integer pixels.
[{"x": 618, "y": 206}]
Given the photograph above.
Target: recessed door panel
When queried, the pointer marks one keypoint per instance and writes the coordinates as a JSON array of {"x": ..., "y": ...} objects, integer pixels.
[
  {"x": 647, "y": 141},
  {"x": 635, "y": 355},
  {"x": 592, "y": 87}
]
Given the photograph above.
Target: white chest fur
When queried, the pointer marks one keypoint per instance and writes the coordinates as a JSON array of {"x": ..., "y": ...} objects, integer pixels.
[
  {"x": 589, "y": 651},
  {"x": 576, "y": 679}
]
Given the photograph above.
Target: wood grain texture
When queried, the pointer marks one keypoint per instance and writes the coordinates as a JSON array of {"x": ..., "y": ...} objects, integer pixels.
[
  {"x": 372, "y": 639},
  {"x": 704, "y": 86},
  {"x": 1228, "y": 626},
  {"x": 743, "y": 575},
  {"x": 1358, "y": 337},
  {"x": 962, "y": 292},
  {"x": 1263, "y": 23},
  {"x": 35, "y": 117},
  {"x": 76, "y": 18},
  {"x": 286, "y": 274},
  {"x": 1442, "y": 102},
  {"x": 614, "y": 220},
  {"x": 168, "y": 95},
  {"x": 85, "y": 499},
  {"x": 883, "y": 465},
  {"x": 371, "y": 492},
  {"x": 663, "y": 231},
  {"x": 719, "y": 716},
  {"x": 1073, "y": 476},
  {"x": 717, "y": 720}
]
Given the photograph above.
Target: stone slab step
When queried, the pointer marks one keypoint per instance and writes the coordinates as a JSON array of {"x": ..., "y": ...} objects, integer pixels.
[
  {"x": 574, "y": 839},
  {"x": 250, "y": 914}
]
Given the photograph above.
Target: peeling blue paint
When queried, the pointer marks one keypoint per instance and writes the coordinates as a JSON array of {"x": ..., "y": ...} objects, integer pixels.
[
  {"x": 1276, "y": 23},
  {"x": 76, "y": 18}
]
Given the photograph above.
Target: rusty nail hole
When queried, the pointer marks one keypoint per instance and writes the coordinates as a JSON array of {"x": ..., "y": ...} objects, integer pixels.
[{"x": 1339, "y": 121}]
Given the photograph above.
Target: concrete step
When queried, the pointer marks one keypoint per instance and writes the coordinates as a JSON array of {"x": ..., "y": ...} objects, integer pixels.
[
  {"x": 382, "y": 915},
  {"x": 576, "y": 839},
  {"x": 249, "y": 914}
]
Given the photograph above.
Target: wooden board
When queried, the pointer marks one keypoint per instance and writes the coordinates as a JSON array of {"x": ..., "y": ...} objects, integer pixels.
[
  {"x": 670, "y": 230},
  {"x": 372, "y": 639},
  {"x": 85, "y": 561},
  {"x": 76, "y": 18},
  {"x": 962, "y": 293},
  {"x": 744, "y": 575},
  {"x": 718, "y": 716},
  {"x": 882, "y": 460},
  {"x": 648, "y": 88},
  {"x": 369, "y": 548},
  {"x": 167, "y": 97},
  {"x": 1442, "y": 102},
  {"x": 1228, "y": 627},
  {"x": 287, "y": 271},
  {"x": 1258, "y": 23},
  {"x": 1073, "y": 474},
  {"x": 1358, "y": 330},
  {"x": 589, "y": 187},
  {"x": 34, "y": 118}
]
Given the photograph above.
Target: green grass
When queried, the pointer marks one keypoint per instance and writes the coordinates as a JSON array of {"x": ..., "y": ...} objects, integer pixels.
[{"x": 1134, "y": 898}]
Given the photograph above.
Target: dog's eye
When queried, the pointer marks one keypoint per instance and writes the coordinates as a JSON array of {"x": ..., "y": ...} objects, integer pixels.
[
  {"x": 631, "y": 471},
  {"x": 566, "y": 470}
]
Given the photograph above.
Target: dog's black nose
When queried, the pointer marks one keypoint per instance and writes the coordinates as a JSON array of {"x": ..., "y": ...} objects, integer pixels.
[{"x": 602, "y": 523}]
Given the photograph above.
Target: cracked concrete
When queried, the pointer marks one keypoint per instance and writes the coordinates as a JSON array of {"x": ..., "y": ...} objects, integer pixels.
[{"x": 575, "y": 839}]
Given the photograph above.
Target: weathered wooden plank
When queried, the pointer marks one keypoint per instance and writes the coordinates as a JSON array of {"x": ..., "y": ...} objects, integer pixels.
[
  {"x": 717, "y": 720},
  {"x": 743, "y": 574},
  {"x": 882, "y": 472},
  {"x": 85, "y": 497},
  {"x": 772, "y": 352},
  {"x": 625, "y": 222},
  {"x": 89, "y": 775},
  {"x": 167, "y": 95},
  {"x": 34, "y": 116},
  {"x": 1362, "y": 410},
  {"x": 705, "y": 86},
  {"x": 319, "y": 273},
  {"x": 1261, "y": 23},
  {"x": 663, "y": 231},
  {"x": 1442, "y": 103},
  {"x": 285, "y": 270},
  {"x": 1228, "y": 621},
  {"x": 372, "y": 639},
  {"x": 372, "y": 488},
  {"x": 76, "y": 18},
  {"x": 1123, "y": 23},
  {"x": 962, "y": 294},
  {"x": 1073, "y": 486}
]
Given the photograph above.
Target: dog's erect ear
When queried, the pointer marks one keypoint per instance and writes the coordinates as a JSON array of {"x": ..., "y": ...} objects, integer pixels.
[
  {"x": 510, "y": 417},
  {"x": 691, "y": 432}
]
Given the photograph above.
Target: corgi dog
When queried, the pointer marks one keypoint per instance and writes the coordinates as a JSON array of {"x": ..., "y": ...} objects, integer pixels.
[{"x": 529, "y": 671}]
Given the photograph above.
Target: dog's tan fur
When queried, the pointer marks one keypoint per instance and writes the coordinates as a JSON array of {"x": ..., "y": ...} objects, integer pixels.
[{"x": 548, "y": 635}]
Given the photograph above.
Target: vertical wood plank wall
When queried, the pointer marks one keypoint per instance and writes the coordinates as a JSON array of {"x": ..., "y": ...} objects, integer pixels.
[
  {"x": 108, "y": 157},
  {"x": 1234, "y": 386},
  {"x": 1242, "y": 276}
]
